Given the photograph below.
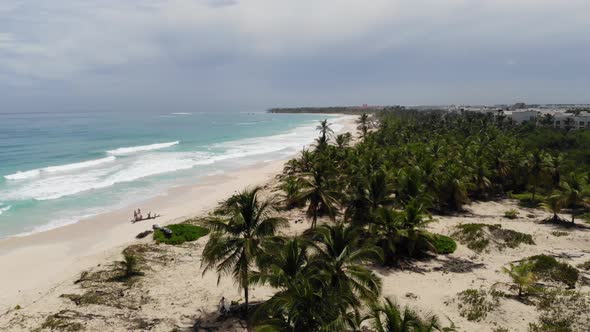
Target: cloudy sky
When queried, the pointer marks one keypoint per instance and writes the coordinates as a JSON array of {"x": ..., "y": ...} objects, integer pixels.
[{"x": 255, "y": 54}]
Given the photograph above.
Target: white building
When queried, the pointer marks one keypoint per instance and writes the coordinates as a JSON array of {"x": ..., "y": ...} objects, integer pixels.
[
  {"x": 572, "y": 121},
  {"x": 529, "y": 115}
]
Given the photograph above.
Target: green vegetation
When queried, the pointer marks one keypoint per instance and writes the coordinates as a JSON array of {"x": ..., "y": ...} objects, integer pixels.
[
  {"x": 559, "y": 233},
  {"x": 475, "y": 304},
  {"x": 478, "y": 237},
  {"x": 387, "y": 316},
  {"x": 242, "y": 228},
  {"x": 522, "y": 276},
  {"x": 370, "y": 204},
  {"x": 444, "y": 244},
  {"x": 180, "y": 233},
  {"x": 129, "y": 266},
  {"x": 585, "y": 265},
  {"x": 56, "y": 323},
  {"x": 548, "y": 268},
  {"x": 562, "y": 311},
  {"x": 511, "y": 214}
]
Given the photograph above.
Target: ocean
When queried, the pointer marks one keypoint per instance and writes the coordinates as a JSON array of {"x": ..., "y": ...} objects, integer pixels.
[{"x": 57, "y": 168}]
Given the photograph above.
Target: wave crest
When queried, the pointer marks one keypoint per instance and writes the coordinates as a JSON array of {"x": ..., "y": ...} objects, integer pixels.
[
  {"x": 56, "y": 169},
  {"x": 141, "y": 148}
]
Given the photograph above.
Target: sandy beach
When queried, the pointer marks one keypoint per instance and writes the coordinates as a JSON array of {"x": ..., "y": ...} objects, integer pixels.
[{"x": 34, "y": 264}]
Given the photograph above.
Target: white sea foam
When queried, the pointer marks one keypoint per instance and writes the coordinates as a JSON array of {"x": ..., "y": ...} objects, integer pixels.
[
  {"x": 181, "y": 113},
  {"x": 4, "y": 209},
  {"x": 55, "y": 169},
  {"x": 23, "y": 175},
  {"x": 62, "y": 181},
  {"x": 141, "y": 148},
  {"x": 59, "y": 185}
]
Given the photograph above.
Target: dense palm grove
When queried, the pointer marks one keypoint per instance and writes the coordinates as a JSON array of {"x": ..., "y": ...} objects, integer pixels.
[{"x": 377, "y": 196}]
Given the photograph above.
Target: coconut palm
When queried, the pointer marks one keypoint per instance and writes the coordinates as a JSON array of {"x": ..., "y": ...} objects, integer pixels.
[
  {"x": 316, "y": 191},
  {"x": 387, "y": 316},
  {"x": 291, "y": 186},
  {"x": 129, "y": 266},
  {"x": 325, "y": 133},
  {"x": 554, "y": 167},
  {"x": 536, "y": 166},
  {"x": 340, "y": 256},
  {"x": 343, "y": 140},
  {"x": 574, "y": 193},
  {"x": 522, "y": 276},
  {"x": 554, "y": 203},
  {"x": 242, "y": 228},
  {"x": 363, "y": 124},
  {"x": 413, "y": 238}
]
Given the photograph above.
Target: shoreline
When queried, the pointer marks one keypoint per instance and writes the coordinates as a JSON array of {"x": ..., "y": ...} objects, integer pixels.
[{"x": 35, "y": 263}]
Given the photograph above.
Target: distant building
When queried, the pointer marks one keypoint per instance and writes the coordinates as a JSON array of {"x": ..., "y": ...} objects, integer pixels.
[
  {"x": 523, "y": 116},
  {"x": 572, "y": 121}
]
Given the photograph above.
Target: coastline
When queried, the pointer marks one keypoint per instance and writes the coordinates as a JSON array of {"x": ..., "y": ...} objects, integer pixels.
[{"x": 33, "y": 264}]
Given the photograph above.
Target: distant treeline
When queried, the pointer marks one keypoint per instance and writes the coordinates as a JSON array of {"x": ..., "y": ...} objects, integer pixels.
[{"x": 331, "y": 109}]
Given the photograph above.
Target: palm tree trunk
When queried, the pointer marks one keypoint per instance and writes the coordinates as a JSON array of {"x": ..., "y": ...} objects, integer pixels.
[
  {"x": 246, "y": 283},
  {"x": 573, "y": 214},
  {"x": 246, "y": 299}
]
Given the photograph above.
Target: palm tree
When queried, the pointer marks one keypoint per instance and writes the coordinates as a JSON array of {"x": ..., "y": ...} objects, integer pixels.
[
  {"x": 285, "y": 265},
  {"x": 522, "y": 276},
  {"x": 554, "y": 203},
  {"x": 339, "y": 254},
  {"x": 305, "y": 300},
  {"x": 574, "y": 194},
  {"x": 325, "y": 133},
  {"x": 536, "y": 165},
  {"x": 554, "y": 166},
  {"x": 316, "y": 191},
  {"x": 387, "y": 316},
  {"x": 291, "y": 187},
  {"x": 343, "y": 140},
  {"x": 129, "y": 266},
  {"x": 363, "y": 122},
  {"x": 413, "y": 237},
  {"x": 242, "y": 228}
]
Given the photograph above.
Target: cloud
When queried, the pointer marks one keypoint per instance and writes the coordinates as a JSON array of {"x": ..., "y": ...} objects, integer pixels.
[{"x": 94, "y": 40}]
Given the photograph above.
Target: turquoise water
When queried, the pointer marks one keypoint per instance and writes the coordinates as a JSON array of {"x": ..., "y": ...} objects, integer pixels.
[{"x": 56, "y": 168}]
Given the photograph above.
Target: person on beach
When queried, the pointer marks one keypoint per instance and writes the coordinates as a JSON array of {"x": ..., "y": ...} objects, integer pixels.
[
  {"x": 222, "y": 309},
  {"x": 134, "y": 215},
  {"x": 149, "y": 215}
]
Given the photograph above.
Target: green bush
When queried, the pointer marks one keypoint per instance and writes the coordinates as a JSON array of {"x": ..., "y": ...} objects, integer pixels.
[
  {"x": 444, "y": 245},
  {"x": 548, "y": 268},
  {"x": 585, "y": 266},
  {"x": 475, "y": 304},
  {"x": 526, "y": 199},
  {"x": 180, "y": 233},
  {"x": 478, "y": 237},
  {"x": 511, "y": 214}
]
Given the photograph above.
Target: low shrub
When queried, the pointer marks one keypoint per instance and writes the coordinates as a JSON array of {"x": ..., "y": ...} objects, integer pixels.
[
  {"x": 559, "y": 233},
  {"x": 511, "y": 214},
  {"x": 548, "y": 268},
  {"x": 478, "y": 237},
  {"x": 585, "y": 266},
  {"x": 526, "y": 199},
  {"x": 475, "y": 304},
  {"x": 444, "y": 245},
  {"x": 180, "y": 233},
  {"x": 562, "y": 311}
]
